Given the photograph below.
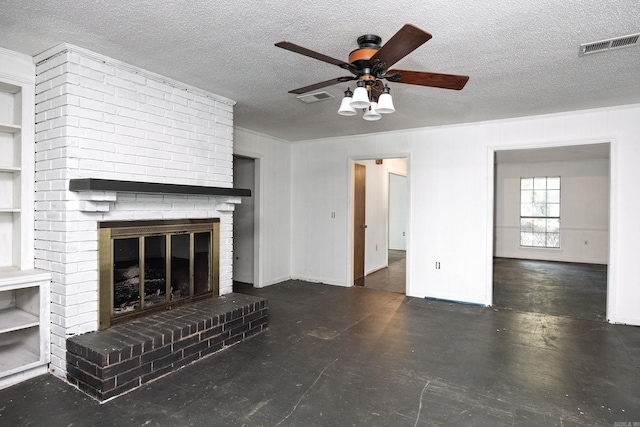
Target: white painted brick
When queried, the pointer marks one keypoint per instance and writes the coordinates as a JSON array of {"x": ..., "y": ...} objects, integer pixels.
[
  {"x": 128, "y": 75},
  {"x": 93, "y": 64}
]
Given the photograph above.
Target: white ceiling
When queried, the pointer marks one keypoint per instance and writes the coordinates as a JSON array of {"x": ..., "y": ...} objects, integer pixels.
[{"x": 521, "y": 55}]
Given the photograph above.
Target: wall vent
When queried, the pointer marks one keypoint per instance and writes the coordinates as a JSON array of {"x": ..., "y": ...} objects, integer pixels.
[
  {"x": 315, "y": 97},
  {"x": 609, "y": 44}
]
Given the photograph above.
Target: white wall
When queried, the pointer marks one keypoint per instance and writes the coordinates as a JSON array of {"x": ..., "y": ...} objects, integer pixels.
[
  {"x": 244, "y": 220},
  {"x": 584, "y": 204},
  {"x": 397, "y": 212},
  {"x": 451, "y": 201},
  {"x": 273, "y": 219}
]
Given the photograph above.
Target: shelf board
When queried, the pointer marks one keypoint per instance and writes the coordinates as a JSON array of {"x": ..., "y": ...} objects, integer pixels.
[
  {"x": 5, "y": 127},
  {"x": 17, "y": 359},
  {"x": 14, "y": 319},
  {"x": 10, "y": 169},
  {"x": 9, "y": 210}
]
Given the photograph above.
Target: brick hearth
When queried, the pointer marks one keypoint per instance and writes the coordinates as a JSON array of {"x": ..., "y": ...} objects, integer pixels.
[{"x": 108, "y": 363}]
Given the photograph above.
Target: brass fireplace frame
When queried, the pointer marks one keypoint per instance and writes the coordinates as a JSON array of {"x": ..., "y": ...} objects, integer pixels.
[{"x": 108, "y": 231}]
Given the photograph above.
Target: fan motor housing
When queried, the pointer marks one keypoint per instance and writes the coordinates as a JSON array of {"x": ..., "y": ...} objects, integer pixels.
[{"x": 368, "y": 46}]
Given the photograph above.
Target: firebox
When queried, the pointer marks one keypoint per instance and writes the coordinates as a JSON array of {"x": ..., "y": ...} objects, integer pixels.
[{"x": 147, "y": 266}]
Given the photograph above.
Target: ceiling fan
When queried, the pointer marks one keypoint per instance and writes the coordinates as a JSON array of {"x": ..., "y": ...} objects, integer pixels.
[{"x": 370, "y": 63}]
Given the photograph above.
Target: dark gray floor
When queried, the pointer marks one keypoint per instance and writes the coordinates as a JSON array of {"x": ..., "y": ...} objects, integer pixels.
[
  {"x": 557, "y": 288},
  {"x": 359, "y": 357}
]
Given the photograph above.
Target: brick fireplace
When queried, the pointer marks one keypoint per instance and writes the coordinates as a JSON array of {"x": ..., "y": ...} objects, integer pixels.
[{"x": 99, "y": 120}]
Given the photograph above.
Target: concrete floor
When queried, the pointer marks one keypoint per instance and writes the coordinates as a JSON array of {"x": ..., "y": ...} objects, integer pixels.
[
  {"x": 557, "y": 288},
  {"x": 391, "y": 278},
  {"x": 337, "y": 356}
]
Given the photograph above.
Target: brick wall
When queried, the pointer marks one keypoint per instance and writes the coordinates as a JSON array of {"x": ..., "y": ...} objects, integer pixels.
[{"x": 99, "y": 118}]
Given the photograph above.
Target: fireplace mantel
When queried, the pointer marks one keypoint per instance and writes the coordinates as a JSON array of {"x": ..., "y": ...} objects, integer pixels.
[{"x": 96, "y": 194}]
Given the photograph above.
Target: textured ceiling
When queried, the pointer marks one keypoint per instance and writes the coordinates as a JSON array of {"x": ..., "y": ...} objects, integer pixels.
[{"x": 521, "y": 55}]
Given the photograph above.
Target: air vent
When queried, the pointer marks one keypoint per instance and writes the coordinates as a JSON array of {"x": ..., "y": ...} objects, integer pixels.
[
  {"x": 315, "y": 97},
  {"x": 609, "y": 44}
]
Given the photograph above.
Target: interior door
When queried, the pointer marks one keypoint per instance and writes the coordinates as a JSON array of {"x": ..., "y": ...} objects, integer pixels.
[{"x": 359, "y": 226}]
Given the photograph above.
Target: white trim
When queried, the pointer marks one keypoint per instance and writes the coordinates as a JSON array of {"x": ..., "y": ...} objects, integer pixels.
[{"x": 65, "y": 47}]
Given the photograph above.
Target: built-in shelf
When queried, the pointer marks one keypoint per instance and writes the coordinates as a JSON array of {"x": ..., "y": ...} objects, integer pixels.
[
  {"x": 13, "y": 319},
  {"x": 10, "y": 169},
  {"x": 4, "y": 127},
  {"x": 94, "y": 184},
  {"x": 9, "y": 210}
]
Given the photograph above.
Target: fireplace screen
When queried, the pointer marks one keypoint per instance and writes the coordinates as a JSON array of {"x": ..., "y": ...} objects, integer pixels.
[{"x": 145, "y": 266}]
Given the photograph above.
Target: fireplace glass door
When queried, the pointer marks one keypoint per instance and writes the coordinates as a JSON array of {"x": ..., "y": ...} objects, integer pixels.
[{"x": 147, "y": 266}]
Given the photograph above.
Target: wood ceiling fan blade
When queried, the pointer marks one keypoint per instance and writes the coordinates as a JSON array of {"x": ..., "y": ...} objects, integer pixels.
[
  {"x": 423, "y": 78},
  {"x": 405, "y": 41},
  {"x": 321, "y": 85},
  {"x": 313, "y": 54}
]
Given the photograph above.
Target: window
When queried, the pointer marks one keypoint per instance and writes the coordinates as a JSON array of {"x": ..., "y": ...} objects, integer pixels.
[{"x": 540, "y": 212}]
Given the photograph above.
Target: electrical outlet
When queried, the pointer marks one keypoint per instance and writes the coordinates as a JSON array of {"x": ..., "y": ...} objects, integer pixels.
[
  {"x": 403, "y": 234},
  {"x": 437, "y": 265},
  {"x": 333, "y": 214},
  {"x": 376, "y": 246}
]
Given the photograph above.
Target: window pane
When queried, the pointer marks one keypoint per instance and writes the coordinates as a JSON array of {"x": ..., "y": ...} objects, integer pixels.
[
  {"x": 526, "y": 224},
  {"x": 126, "y": 275},
  {"x": 540, "y": 196},
  {"x": 553, "y": 240},
  {"x": 180, "y": 265},
  {"x": 553, "y": 183},
  {"x": 553, "y": 196},
  {"x": 526, "y": 209},
  {"x": 540, "y": 183},
  {"x": 553, "y": 226},
  {"x": 540, "y": 209},
  {"x": 202, "y": 264},
  {"x": 553, "y": 210},
  {"x": 526, "y": 196},
  {"x": 539, "y": 225},
  {"x": 539, "y": 239},
  {"x": 526, "y": 183},
  {"x": 526, "y": 239},
  {"x": 155, "y": 270}
]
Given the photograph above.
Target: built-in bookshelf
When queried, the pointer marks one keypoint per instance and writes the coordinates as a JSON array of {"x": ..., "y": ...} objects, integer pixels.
[{"x": 24, "y": 291}]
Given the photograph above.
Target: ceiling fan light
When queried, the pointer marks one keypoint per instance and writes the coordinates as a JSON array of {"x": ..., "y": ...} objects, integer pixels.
[
  {"x": 345, "y": 106},
  {"x": 372, "y": 114},
  {"x": 360, "y": 97},
  {"x": 385, "y": 104}
]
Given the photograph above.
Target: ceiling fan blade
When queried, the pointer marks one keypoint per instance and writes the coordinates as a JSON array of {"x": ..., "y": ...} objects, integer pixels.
[
  {"x": 321, "y": 85},
  {"x": 423, "y": 78},
  {"x": 313, "y": 54},
  {"x": 405, "y": 41}
]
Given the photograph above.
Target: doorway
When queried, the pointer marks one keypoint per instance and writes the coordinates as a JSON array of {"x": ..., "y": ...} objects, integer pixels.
[
  {"x": 244, "y": 219},
  {"x": 566, "y": 277},
  {"x": 380, "y": 196}
]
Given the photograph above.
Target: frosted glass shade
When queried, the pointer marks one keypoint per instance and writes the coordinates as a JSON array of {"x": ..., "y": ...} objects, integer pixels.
[
  {"x": 360, "y": 98},
  {"x": 345, "y": 107},
  {"x": 371, "y": 114},
  {"x": 385, "y": 104}
]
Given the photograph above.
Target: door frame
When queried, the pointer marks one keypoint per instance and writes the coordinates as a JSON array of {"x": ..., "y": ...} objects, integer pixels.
[
  {"x": 258, "y": 281},
  {"x": 613, "y": 225},
  {"x": 350, "y": 223}
]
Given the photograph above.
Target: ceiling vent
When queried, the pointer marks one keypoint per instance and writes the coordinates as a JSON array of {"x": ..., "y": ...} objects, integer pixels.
[
  {"x": 609, "y": 44},
  {"x": 315, "y": 97}
]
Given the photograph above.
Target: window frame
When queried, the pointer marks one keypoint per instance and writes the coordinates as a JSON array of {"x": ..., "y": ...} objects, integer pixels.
[{"x": 540, "y": 214}]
